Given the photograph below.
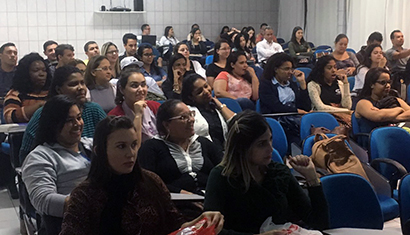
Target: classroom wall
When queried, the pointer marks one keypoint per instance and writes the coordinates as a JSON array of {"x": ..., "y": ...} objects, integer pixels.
[{"x": 30, "y": 23}]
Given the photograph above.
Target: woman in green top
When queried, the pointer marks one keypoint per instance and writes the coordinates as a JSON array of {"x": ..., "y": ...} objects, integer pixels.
[
  {"x": 299, "y": 49},
  {"x": 247, "y": 187}
]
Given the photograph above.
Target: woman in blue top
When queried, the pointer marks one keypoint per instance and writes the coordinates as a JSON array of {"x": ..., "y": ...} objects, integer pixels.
[{"x": 150, "y": 69}]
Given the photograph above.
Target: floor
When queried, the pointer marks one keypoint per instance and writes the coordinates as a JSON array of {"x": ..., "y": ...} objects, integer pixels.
[{"x": 10, "y": 224}]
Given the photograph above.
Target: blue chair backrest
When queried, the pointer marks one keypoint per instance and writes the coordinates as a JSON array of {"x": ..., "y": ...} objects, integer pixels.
[
  {"x": 324, "y": 47},
  {"x": 351, "y": 50},
  {"x": 408, "y": 94},
  {"x": 311, "y": 45},
  {"x": 276, "y": 156},
  {"x": 209, "y": 60},
  {"x": 280, "y": 40},
  {"x": 352, "y": 202},
  {"x": 279, "y": 141},
  {"x": 258, "y": 71},
  {"x": 285, "y": 46},
  {"x": 390, "y": 142},
  {"x": 258, "y": 106},
  {"x": 161, "y": 101},
  {"x": 321, "y": 52},
  {"x": 317, "y": 119},
  {"x": 404, "y": 199},
  {"x": 355, "y": 125},
  {"x": 232, "y": 104},
  {"x": 351, "y": 82},
  {"x": 305, "y": 70}
]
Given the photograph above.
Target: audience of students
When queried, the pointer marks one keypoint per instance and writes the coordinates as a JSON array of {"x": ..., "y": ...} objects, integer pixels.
[
  {"x": 191, "y": 65},
  {"x": 119, "y": 197},
  {"x": 97, "y": 78},
  {"x": 222, "y": 50},
  {"x": 31, "y": 81},
  {"x": 211, "y": 116},
  {"x": 239, "y": 81}
]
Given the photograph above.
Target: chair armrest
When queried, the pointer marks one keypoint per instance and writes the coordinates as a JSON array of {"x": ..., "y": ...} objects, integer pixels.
[{"x": 400, "y": 170}]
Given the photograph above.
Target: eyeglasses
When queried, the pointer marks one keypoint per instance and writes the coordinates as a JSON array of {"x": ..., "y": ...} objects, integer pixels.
[
  {"x": 384, "y": 82},
  {"x": 112, "y": 52},
  {"x": 103, "y": 69},
  {"x": 148, "y": 55},
  {"x": 184, "y": 117},
  {"x": 287, "y": 69}
]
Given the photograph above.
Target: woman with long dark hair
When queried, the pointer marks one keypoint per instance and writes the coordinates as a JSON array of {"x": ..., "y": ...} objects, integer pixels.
[
  {"x": 118, "y": 196},
  {"x": 345, "y": 60},
  {"x": 247, "y": 182},
  {"x": 240, "y": 42},
  {"x": 222, "y": 50},
  {"x": 191, "y": 65},
  {"x": 299, "y": 49}
]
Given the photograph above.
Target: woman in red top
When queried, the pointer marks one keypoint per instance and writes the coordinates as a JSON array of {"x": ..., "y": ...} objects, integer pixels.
[{"x": 131, "y": 92}]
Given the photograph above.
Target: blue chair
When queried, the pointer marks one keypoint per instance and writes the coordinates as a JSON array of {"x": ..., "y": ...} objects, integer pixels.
[
  {"x": 351, "y": 50},
  {"x": 258, "y": 71},
  {"x": 317, "y": 119},
  {"x": 232, "y": 104},
  {"x": 280, "y": 40},
  {"x": 312, "y": 46},
  {"x": 209, "y": 59},
  {"x": 305, "y": 70},
  {"x": 258, "y": 106},
  {"x": 351, "y": 82},
  {"x": 362, "y": 139},
  {"x": 279, "y": 140},
  {"x": 320, "y": 52},
  {"x": 276, "y": 157},
  {"x": 324, "y": 47},
  {"x": 408, "y": 94},
  {"x": 389, "y": 154},
  {"x": 352, "y": 202},
  {"x": 161, "y": 101},
  {"x": 404, "y": 202}
]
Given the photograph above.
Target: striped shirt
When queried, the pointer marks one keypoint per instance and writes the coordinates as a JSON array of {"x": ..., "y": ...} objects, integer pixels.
[
  {"x": 15, "y": 102},
  {"x": 92, "y": 114}
]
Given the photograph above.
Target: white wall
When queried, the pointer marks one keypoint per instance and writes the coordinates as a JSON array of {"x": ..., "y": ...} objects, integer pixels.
[{"x": 30, "y": 23}]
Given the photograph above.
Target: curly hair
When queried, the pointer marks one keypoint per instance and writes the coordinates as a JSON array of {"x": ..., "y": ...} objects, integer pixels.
[{"x": 21, "y": 79}]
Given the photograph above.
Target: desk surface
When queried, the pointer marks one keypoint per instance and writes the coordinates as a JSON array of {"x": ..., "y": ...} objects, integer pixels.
[
  {"x": 186, "y": 197},
  {"x": 13, "y": 128},
  {"x": 357, "y": 231}
]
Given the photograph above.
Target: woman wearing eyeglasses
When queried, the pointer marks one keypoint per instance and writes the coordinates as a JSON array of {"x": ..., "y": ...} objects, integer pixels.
[
  {"x": 376, "y": 106},
  {"x": 97, "y": 78},
  {"x": 131, "y": 93},
  {"x": 222, "y": 50},
  {"x": 150, "y": 69},
  {"x": 181, "y": 158},
  {"x": 110, "y": 50}
]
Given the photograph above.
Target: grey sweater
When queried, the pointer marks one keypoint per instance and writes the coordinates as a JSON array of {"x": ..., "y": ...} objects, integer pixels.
[{"x": 50, "y": 173}]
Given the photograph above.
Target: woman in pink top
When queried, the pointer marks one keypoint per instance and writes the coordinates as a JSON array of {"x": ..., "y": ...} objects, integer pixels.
[{"x": 239, "y": 82}]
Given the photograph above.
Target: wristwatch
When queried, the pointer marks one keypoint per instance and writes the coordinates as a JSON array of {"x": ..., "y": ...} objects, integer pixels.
[{"x": 221, "y": 107}]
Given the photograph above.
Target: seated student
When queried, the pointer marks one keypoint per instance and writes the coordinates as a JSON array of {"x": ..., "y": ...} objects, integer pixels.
[
  {"x": 131, "y": 92},
  {"x": 181, "y": 158},
  {"x": 130, "y": 45},
  {"x": 168, "y": 38},
  {"x": 150, "y": 69},
  {"x": 196, "y": 46},
  {"x": 189, "y": 36},
  {"x": 373, "y": 57},
  {"x": 172, "y": 86},
  {"x": 278, "y": 93},
  {"x": 240, "y": 42},
  {"x": 67, "y": 81},
  {"x": 59, "y": 162},
  {"x": 49, "y": 50},
  {"x": 267, "y": 47},
  {"x": 211, "y": 116},
  {"x": 239, "y": 82},
  {"x": 247, "y": 187},
  {"x": 191, "y": 65},
  {"x": 118, "y": 196},
  {"x": 345, "y": 60},
  {"x": 91, "y": 49},
  {"x": 110, "y": 50},
  {"x": 29, "y": 90},
  {"x": 251, "y": 37},
  {"x": 224, "y": 29},
  {"x": 376, "y": 107},
  {"x": 260, "y": 35},
  {"x": 97, "y": 78},
  {"x": 299, "y": 49},
  {"x": 222, "y": 50},
  {"x": 230, "y": 36},
  {"x": 374, "y": 38},
  {"x": 328, "y": 87}
]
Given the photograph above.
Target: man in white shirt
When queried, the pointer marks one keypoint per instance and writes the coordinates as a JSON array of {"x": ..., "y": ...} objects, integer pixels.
[{"x": 267, "y": 47}]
